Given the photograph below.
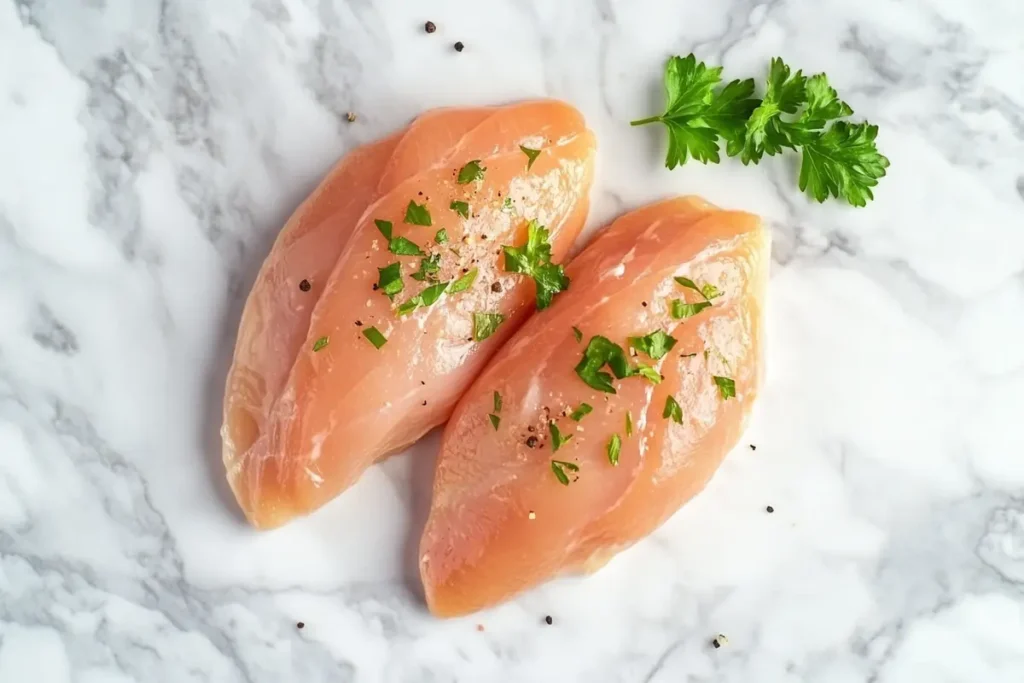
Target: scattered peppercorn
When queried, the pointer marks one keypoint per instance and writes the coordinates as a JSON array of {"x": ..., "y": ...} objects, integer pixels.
[
  {"x": 300, "y": 625},
  {"x": 770, "y": 509},
  {"x": 531, "y": 442},
  {"x": 429, "y": 27},
  {"x": 548, "y": 620},
  {"x": 496, "y": 287},
  {"x": 424, "y": 403},
  {"x": 719, "y": 641},
  {"x": 350, "y": 117},
  {"x": 459, "y": 47},
  {"x": 423, "y": 383},
  {"x": 375, "y": 286},
  {"x": 359, "y": 323},
  {"x": 305, "y": 286},
  {"x": 644, "y": 304},
  {"x": 753, "y": 447}
]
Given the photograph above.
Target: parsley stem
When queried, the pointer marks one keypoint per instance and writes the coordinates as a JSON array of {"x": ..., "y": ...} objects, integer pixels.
[{"x": 642, "y": 122}]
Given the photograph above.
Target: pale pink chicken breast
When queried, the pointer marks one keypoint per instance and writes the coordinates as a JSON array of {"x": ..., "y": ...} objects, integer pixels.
[
  {"x": 311, "y": 399},
  {"x": 518, "y": 503}
]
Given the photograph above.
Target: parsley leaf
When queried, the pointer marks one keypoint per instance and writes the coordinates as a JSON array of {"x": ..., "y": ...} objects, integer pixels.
[
  {"x": 765, "y": 132},
  {"x": 470, "y": 172},
  {"x": 428, "y": 268},
  {"x": 427, "y": 297},
  {"x": 531, "y": 155},
  {"x": 417, "y": 214},
  {"x": 655, "y": 345},
  {"x": 497, "y": 402},
  {"x": 648, "y": 372},
  {"x": 726, "y": 386},
  {"x": 464, "y": 282},
  {"x": 495, "y": 421},
  {"x": 582, "y": 411},
  {"x": 602, "y": 351},
  {"x": 614, "y": 448},
  {"x": 696, "y": 116},
  {"x": 375, "y": 337},
  {"x": 486, "y": 324},
  {"x": 534, "y": 259},
  {"x": 384, "y": 227},
  {"x": 681, "y": 311},
  {"x": 576, "y": 333},
  {"x": 557, "y": 440},
  {"x": 843, "y": 162},
  {"x": 560, "y": 466},
  {"x": 441, "y": 236},
  {"x": 389, "y": 281},
  {"x": 461, "y": 208},
  {"x": 629, "y": 423},
  {"x": 404, "y": 247},
  {"x": 321, "y": 343},
  {"x": 672, "y": 410}
]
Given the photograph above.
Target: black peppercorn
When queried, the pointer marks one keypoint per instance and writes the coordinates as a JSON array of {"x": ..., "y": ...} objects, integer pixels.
[
  {"x": 548, "y": 620},
  {"x": 305, "y": 286},
  {"x": 429, "y": 27},
  {"x": 459, "y": 47}
]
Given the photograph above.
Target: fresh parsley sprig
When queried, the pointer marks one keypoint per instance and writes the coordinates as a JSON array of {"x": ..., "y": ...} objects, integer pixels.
[
  {"x": 534, "y": 260},
  {"x": 838, "y": 158}
]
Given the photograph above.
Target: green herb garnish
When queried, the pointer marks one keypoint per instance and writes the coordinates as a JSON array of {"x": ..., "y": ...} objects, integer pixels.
[
  {"x": 321, "y": 343},
  {"x": 726, "y": 386},
  {"x": 461, "y": 208},
  {"x": 648, "y": 372},
  {"x": 707, "y": 290},
  {"x": 681, "y": 310},
  {"x": 495, "y": 421},
  {"x": 470, "y": 172},
  {"x": 581, "y": 411},
  {"x": 384, "y": 227},
  {"x": 557, "y": 440},
  {"x": 404, "y": 247},
  {"x": 629, "y": 423},
  {"x": 429, "y": 268},
  {"x": 507, "y": 206},
  {"x": 655, "y": 345},
  {"x": 560, "y": 466},
  {"x": 441, "y": 236},
  {"x": 417, "y": 214},
  {"x": 672, "y": 409},
  {"x": 464, "y": 282},
  {"x": 614, "y": 448},
  {"x": 576, "y": 333},
  {"x": 425, "y": 298},
  {"x": 389, "y": 280},
  {"x": 602, "y": 351},
  {"x": 839, "y": 158},
  {"x": 497, "y": 402},
  {"x": 485, "y": 324},
  {"x": 534, "y": 259},
  {"x": 375, "y": 337},
  {"x": 531, "y": 155}
]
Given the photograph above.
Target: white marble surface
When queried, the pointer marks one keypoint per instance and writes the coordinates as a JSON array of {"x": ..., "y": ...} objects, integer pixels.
[{"x": 149, "y": 151}]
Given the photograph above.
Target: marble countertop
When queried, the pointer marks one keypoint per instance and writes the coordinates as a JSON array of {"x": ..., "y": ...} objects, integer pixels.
[{"x": 149, "y": 152}]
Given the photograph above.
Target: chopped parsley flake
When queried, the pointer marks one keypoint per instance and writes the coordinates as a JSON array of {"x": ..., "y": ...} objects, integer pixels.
[
  {"x": 629, "y": 423},
  {"x": 576, "y": 333},
  {"x": 375, "y": 337},
  {"x": 681, "y": 311},
  {"x": 461, "y": 208},
  {"x": 470, "y": 172},
  {"x": 602, "y": 351},
  {"x": 655, "y": 345},
  {"x": 672, "y": 410},
  {"x": 389, "y": 281},
  {"x": 531, "y": 155},
  {"x": 384, "y": 227},
  {"x": 441, "y": 236},
  {"x": 417, "y": 214},
  {"x": 614, "y": 448},
  {"x": 495, "y": 421},
  {"x": 708, "y": 291},
  {"x": 557, "y": 440},
  {"x": 321, "y": 343},
  {"x": 583, "y": 410},
  {"x": 650, "y": 373},
  {"x": 560, "y": 466},
  {"x": 485, "y": 324},
  {"x": 726, "y": 386},
  {"x": 534, "y": 259},
  {"x": 404, "y": 247},
  {"x": 497, "y": 402},
  {"x": 428, "y": 268},
  {"x": 464, "y": 282},
  {"x": 425, "y": 298}
]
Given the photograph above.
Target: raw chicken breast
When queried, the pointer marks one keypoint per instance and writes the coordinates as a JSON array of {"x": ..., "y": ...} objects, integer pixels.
[
  {"x": 517, "y": 504},
  {"x": 311, "y": 400}
]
